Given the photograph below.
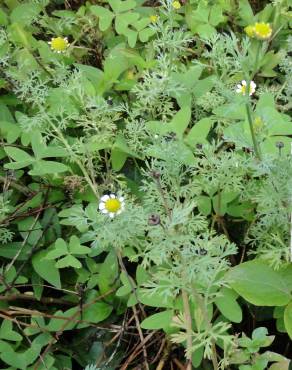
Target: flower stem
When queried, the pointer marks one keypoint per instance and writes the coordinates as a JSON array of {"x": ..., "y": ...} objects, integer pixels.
[
  {"x": 255, "y": 69},
  {"x": 254, "y": 140}
]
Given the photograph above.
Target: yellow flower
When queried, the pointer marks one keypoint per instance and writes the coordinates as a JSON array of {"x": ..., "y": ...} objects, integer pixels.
[
  {"x": 250, "y": 30},
  {"x": 176, "y": 4},
  {"x": 153, "y": 18},
  {"x": 262, "y": 30},
  {"x": 59, "y": 44}
]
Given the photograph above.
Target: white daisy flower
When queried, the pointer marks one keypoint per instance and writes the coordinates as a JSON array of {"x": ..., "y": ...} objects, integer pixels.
[
  {"x": 111, "y": 205},
  {"x": 241, "y": 88}
]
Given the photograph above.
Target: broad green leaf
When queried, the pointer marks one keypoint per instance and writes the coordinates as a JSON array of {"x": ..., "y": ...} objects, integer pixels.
[
  {"x": 204, "y": 86},
  {"x": 159, "y": 320},
  {"x": 204, "y": 204},
  {"x": 46, "y": 268},
  {"x": 20, "y": 36},
  {"x": 60, "y": 249},
  {"x": 30, "y": 230},
  {"x": 234, "y": 110},
  {"x": 3, "y": 18},
  {"x": 95, "y": 313},
  {"x": 145, "y": 34},
  {"x": 109, "y": 272},
  {"x": 119, "y": 6},
  {"x": 9, "y": 130},
  {"x": 141, "y": 275},
  {"x": 288, "y": 319},
  {"x": 25, "y": 13},
  {"x": 56, "y": 324},
  {"x": 5, "y": 114},
  {"x": 216, "y": 15},
  {"x": 259, "y": 284},
  {"x": 123, "y": 21},
  {"x": 228, "y": 305},
  {"x": 41, "y": 168},
  {"x": 118, "y": 159},
  {"x": 180, "y": 121},
  {"x": 7, "y": 332},
  {"x": 104, "y": 15},
  {"x": 199, "y": 132},
  {"x": 68, "y": 261},
  {"x": 18, "y": 155},
  {"x": 76, "y": 248},
  {"x": 154, "y": 299},
  {"x": 18, "y": 165},
  {"x": 10, "y": 250},
  {"x": 245, "y": 12}
]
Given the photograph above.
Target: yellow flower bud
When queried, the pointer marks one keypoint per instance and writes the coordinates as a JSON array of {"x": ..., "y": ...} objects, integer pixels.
[{"x": 176, "y": 4}]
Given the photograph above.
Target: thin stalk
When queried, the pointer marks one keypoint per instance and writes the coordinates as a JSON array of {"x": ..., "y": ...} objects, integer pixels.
[
  {"x": 188, "y": 318},
  {"x": 255, "y": 69},
  {"x": 250, "y": 122},
  {"x": 202, "y": 307}
]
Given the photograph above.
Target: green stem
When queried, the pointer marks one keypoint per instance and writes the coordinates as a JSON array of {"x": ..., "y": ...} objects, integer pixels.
[
  {"x": 188, "y": 318},
  {"x": 254, "y": 140},
  {"x": 203, "y": 307},
  {"x": 255, "y": 69}
]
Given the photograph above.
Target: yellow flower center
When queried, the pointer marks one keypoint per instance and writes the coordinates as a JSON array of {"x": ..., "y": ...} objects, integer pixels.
[
  {"x": 153, "y": 18},
  {"x": 112, "y": 205},
  {"x": 176, "y": 4},
  {"x": 243, "y": 89},
  {"x": 263, "y": 30},
  {"x": 59, "y": 44}
]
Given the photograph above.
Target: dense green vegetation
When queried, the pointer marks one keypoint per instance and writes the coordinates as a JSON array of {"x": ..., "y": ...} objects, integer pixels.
[{"x": 146, "y": 184}]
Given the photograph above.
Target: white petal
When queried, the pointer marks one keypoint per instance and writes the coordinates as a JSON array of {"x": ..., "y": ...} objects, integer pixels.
[
  {"x": 243, "y": 82},
  {"x": 101, "y": 206},
  {"x": 105, "y": 211},
  {"x": 104, "y": 198},
  {"x": 121, "y": 199},
  {"x": 112, "y": 196},
  {"x": 119, "y": 212},
  {"x": 238, "y": 91},
  {"x": 112, "y": 215}
]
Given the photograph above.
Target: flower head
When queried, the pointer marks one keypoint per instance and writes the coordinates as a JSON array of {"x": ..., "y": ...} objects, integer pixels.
[
  {"x": 250, "y": 31},
  {"x": 176, "y": 4},
  {"x": 262, "y": 30},
  {"x": 59, "y": 44},
  {"x": 153, "y": 18},
  {"x": 241, "y": 88},
  {"x": 111, "y": 205}
]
